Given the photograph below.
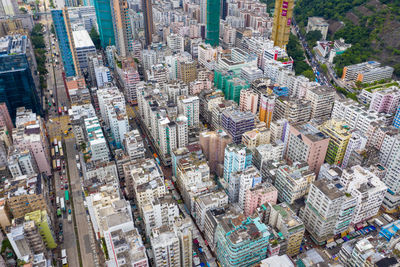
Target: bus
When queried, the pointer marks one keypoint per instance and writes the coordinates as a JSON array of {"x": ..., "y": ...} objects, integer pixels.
[
  {"x": 59, "y": 144},
  {"x": 58, "y": 164},
  {"x": 62, "y": 203},
  {"x": 58, "y": 202},
  {"x": 54, "y": 164},
  {"x": 61, "y": 152},
  {"x": 59, "y": 111},
  {"x": 52, "y": 152},
  {"x": 66, "y": 196}
]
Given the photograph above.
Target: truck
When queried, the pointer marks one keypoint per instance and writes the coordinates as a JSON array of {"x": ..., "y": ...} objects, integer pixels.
[
  {"x": 69, "y": 218},
  {"x": 56, "y": 149},
  {"x": 378, "y": 222},
  {"x": 63, "y": 253},
  {"x": 387, "y": 217},
  {"x": 78, "y": 165},
  {"x": 67, "y": 196},
  {"x": 65, "y": 109}
]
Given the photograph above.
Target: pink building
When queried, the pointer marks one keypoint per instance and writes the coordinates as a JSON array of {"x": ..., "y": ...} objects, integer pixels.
[
  {"x": 386, "y": 100},
  {"x": 248, "y": 101},
  {"x": 129, "y": 77},
  {"x": 5, "y": 119},
  {"x": 307, "y": 143},
  {"x": 259, "y": 195},
  {"x": 30, "y": 134},
  {"x": 199, "y": 85}
]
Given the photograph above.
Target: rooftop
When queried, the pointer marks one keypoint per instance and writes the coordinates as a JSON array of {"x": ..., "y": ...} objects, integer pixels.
[{"x": 82, "y": 39}]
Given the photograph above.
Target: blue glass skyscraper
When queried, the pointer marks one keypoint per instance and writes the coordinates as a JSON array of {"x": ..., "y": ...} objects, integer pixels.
[
  {"x": 105, "y": 22},
  {"x": 17, "y": 87},
  {"x": 63, "y": 41}
]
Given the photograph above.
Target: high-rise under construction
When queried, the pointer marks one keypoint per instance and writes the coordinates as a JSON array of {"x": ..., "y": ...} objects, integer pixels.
[{"x": 282, "y": 20}]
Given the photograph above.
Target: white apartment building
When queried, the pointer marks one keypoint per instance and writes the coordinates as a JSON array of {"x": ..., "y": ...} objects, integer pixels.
[
  {"x": 175, "y": 42},
  {"x": 251, "y": 73},
  {"x": 159, "y": 212},
  {"x": 207, "y": 202},
  {"x": 246, "y": 179},
  {"x": 133, "y": 144},
  {"x": 113, "y": 111},
  {"x": 189, "y": 106},
  {"x": 321, "y": 98},
  {"x": 83, "y": 46},
  {"x": 265, "y": 153},
  {"x": 207, "y": 56},
  {"x": 328, "y": 210},
  {"x": 357, "y": 116},
  {"x": 21, "y": 163},
  {"x": 165, "y": 246},
  {"x": 149, "y": 58},
  {"x": 97, "y": 143},
  {"x": 293, "y": 182},
  {"x": 103, "y": 75},
  {"x": 357, "y": 142},
  {"x": 367, "y": 188}
]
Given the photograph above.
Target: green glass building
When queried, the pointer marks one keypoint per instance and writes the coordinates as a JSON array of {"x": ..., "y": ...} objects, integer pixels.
[
  {"x": 213, "y": 13},
  {"x": 105, "y": 22}
]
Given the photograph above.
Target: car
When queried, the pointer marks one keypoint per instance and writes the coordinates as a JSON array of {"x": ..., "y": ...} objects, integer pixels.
[
  {"x": 66, "y": 186},
  {"x": 62, "y": 187},
  {"x": 60, "y": 225},
  {"x": 69, "y": 211}
]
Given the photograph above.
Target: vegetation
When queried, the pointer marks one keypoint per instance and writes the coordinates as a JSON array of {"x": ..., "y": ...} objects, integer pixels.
[
  {"x": 94, "y": 35},
  {"x": 270, "y": 5},
  {"x": 40, "y": 53},
  {"x": 5, "y": 245},
  {"x": 368, "y": 25},
  {"x": 23, "y": 10},
  {"x": 324, "y": 68},
  {"x": 53, "y": 31},
  {"x": 312, "y": 37},
  {"x": 295, "y": 50},
  {"x": 103, "y": 244}
]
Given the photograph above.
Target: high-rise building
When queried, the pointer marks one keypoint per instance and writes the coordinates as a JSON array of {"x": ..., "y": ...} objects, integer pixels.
[
  {"x": 328, "y": 210},
  {"x": 259, "y": 195},
  {"x": 367, "y": 72},
  {"x": 322, "y": 99},
  {"x": 209, "y": 201},
  {"x": 236, "y": 123},
  {"x": 339, "y": 134},
  {"x": 122, "y": 27},
  {"x": 285, "y": 220},
  {"x": 213, "y": 15},
  {"x": 5, "y": 119},
  {"x": 267, "y": 104},
  {"x": 307, "y": 143},
  {"x": 293, "y": 110},
  {"x": 133, "y": 144},
  {"x": 240, "y": 182},
  {"x": 237, "y": 158},
  {"x": 283, "y": 13},
  {"x": 43, "y": 222},
  {"x": 105, "y": 22},
  {"x": 245, "y": 245},
  {"x": 248, "y": 101},
  {"x": 17, "y": 86},
  {"x": 97, "y": 142},
  {"x": 368, "y": 190},
  {"x": 66, "y": 41},
  {"x": 148, "y": 21},
  {"x": 83, "y": 46},
  {"x": 213, "y": 145},
  {"x": 293, "y": 182},
  {"x": 357, "y": 141},
  {"x": 166, "y": 247}
]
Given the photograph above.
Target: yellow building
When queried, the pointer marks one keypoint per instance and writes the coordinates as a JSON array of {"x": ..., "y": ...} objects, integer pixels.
[
  {"x": 339, "y": 134},
  {"x": 42, "y": 221},
  {"x": 282, "y": 21},
  {"x": 254, "y": 138}
]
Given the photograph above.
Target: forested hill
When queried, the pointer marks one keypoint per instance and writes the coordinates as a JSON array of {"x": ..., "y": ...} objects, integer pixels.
[{"x": 371, "y": 26}]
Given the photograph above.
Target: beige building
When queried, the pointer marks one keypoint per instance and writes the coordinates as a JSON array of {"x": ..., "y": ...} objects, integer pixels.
[
  {"x": 254, "y": 138},
  {"x": 318, "y": 24}
]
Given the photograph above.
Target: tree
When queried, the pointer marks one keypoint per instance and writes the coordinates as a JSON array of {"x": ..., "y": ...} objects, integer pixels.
[
  {"x": 309, "y": 74},
  {"x": 83, "y": 146},
  {"x": 94, "y": 35},
  {"x": 53, "y": 31},
  {"x": 324, "y": 68},
  {"x": 23, "y": 10},
  {"x": 312, "y": 37}
]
